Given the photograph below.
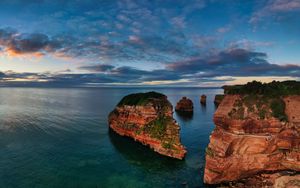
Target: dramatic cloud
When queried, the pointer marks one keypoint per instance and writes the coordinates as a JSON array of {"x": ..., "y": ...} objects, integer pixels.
[
  {"x": 171, "y": 42},
  {"x": 220, "y": 67},
  {"x": 234, "y": 62},
  {"x": 21, "y": 43},
  {"x": 154, "y": 48}
]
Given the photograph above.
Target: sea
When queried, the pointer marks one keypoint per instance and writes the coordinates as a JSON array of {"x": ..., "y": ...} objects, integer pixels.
[{"x": 59, "y": 137}]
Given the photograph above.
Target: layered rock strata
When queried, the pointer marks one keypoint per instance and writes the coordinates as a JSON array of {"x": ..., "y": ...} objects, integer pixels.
[
  {"x": 252, "y": 140},
  {"x": 148, "y": 119}
]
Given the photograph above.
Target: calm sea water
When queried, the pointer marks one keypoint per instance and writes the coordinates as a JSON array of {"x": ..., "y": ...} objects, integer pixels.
[{"x": 57, "y": 137}]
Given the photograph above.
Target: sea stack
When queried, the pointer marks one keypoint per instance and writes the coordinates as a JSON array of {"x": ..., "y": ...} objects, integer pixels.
[
  {"x": 256, "y": 141},
  {"x": 218, "y": 99},
  {"x": 185, "y": 105},
  {"x": 148, "y": 119},
  {"x": 203, "y": 99}
]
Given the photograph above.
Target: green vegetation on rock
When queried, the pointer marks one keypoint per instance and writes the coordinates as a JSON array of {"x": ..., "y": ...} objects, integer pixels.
[
  {"x": 273, "y": 89},
  {"x": 167, "y": 145},
  {"x": 140, "y": 99},
  {"x": 209, "y": 152},
  {"x": 219, "y": 98},
  {"x": 158, "y": 127},
  {"x": 278, "y": 109},
  {"x": 263, "y": 99}
]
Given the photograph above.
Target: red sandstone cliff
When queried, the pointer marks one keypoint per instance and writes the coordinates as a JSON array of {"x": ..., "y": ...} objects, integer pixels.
[
  {"x": 248, "y": 142},
  {"x": 150, "y": 122}
]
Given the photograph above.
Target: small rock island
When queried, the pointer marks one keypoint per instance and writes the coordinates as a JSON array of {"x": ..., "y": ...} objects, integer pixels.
[
  {"x": 148, "y": 119},
  {"x": 256, "y": 141},
  {"x": 185, "y": 105},
  {"x": 203, "y": 99}
]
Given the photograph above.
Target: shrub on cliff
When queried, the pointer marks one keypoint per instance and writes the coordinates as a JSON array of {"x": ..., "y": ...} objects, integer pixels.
[
  {"x": 158, "y": 127},
  {"x": 140, "y": 98},
  {"x": 278, "y": 109},
  {"x": 264, "y": 96},
  {"x": 273, "y": 89}
]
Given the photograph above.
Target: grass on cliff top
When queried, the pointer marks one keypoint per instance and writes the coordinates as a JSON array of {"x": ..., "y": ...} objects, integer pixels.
[
  {"x": 219, "y": 97},
  {"x": 260, "y": 105},
  {"x": 266, "y": 96},
  {"x": 263, "y": 106},
  {"x": 140, "y": 98},
  {"x": 273, "y": 89}
]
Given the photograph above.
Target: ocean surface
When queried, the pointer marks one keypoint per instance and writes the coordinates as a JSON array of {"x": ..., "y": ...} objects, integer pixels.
[{"x": 57, "y": 137}]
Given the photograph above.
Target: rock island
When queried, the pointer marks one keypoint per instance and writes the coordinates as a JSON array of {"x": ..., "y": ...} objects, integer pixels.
[{"x": 148, "y": 119}]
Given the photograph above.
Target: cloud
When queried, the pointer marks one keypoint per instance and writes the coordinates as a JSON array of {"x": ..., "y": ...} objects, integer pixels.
[
  {"x": 166, "y": 34},
  {"x": 234, "y": 62},
  {"x": 250, "y": 44},
  {"x": 98, "y": 68},
  {"x": 216, "y": 69},
  {"x": 22, "y": 43},
  {"x": 224, "y": 29},
  {"x": 284, "y": 5},
  {"x": 219, "y": 67},
  {"x": 133, "y": 48},
  {"x": 178, "y": 22},
  {"x": 275, "y": 8}
]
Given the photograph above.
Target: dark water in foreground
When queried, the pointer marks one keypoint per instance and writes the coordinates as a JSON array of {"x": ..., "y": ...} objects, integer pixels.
[{"x": 60, "y": 138}]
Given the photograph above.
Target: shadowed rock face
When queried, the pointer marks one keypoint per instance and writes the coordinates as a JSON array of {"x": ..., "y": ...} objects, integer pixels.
[
  {"x": 248, "y": 140},
  {"x": 148, "y": 119},
  {"x": 218, "y": 99},
  {"x": 185, "y": 105}
]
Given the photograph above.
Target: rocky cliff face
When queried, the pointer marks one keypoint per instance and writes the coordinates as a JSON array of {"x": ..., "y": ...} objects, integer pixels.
[
  {"x": 148, "y": 119},
  {"x": 251, "y": 140}
]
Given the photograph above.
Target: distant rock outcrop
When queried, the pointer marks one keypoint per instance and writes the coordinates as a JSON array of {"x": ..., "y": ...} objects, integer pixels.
[
  {"x": 148, "y": 119},
  {"x": 256, "y": 141},
  {"x": 185, "y": 105},
  {"x": 203, "y": 99}
]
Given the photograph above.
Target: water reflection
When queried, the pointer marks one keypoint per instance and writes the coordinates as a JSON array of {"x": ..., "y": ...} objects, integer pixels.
[
  {"x": 142, "y": 156},
  {"x": 185, "y": 116},
  {"x": 203, "y": 108},
  {"x": 59, "y": 137}
]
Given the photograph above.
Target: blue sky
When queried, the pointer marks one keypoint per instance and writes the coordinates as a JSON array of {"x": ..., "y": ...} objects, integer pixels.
[{"x": 143, "y": 42}]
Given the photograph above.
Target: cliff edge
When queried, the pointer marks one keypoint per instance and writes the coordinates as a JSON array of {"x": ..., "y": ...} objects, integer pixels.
[
  {"x": 148, "y": 119},
  {"x": 255, "y": 134}
]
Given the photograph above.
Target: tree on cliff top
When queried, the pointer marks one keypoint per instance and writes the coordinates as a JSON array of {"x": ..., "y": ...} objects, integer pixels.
[
  {"x": 140, "y": 98},
  {"x": 272, "y": 89}
]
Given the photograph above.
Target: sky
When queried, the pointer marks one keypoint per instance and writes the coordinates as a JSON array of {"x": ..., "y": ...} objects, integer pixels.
[{"x": 185, "y": 43}]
